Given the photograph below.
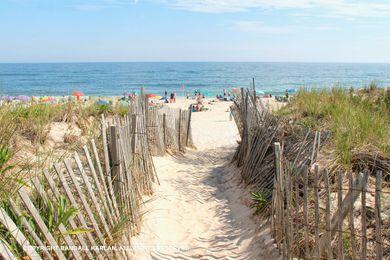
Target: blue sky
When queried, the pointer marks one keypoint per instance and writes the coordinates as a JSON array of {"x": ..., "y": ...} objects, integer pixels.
[{"x": 195, "y": 30}]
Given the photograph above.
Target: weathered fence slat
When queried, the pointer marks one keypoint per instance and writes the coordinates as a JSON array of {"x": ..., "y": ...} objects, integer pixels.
[
  {"x": 98, "y": 186},
  {"x": 28, "y": 227},
  {"x": 18, "y": 235},
  {"x": 69, "y": 241},
  {"x": 378, "y": 219},
  {"x": 351, "y": 219},
  {"x": 342, "y": 211},
  {"x": 305, "y": 210},
  {"x": 279, "y": 179},
  {"x": 297, "y": 214},
  {"x": 92, "y": 195},
  {"x": 364, "y": 225},
  {"x": 41, "y": 192},
  {"x": 84, "y": 202},
  {"x": 72, "y": 200},
  {"x": 108, "y": 168},
  {"x": 71, "y": 220},
  {"x": 328, "y": 234},
  {"x": 316, "y": 212},
  {"x": 103, "y": 181},
  {"x": 340, "y": 248},
  {"x": 288, "y": 233},
  {"x": 45, "y": 231},
  {"x": 5, "y": 252}
]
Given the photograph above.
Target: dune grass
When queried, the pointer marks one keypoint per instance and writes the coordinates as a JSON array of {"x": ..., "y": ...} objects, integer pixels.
[
  {"x": 30, "y": 121},
  {"x": 358, "y": 120}
]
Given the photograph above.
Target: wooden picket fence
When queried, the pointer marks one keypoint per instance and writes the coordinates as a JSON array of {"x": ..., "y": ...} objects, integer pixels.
[
  {"x": 313, "y": 217},
  {"x": 169, "y": 130},
  {"x": 259, "y": 130},
  {"x": 88, "y": 206},
  {"x": 312, "y": 214}
]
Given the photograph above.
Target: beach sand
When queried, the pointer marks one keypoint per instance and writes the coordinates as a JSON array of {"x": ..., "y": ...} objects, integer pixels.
[{"x": 200, "y": 210}]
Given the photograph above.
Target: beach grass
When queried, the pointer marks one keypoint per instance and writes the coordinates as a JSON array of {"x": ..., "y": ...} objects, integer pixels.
[
  {"x": 358, "y": 120},
  {"x": 25, "y": 126}
]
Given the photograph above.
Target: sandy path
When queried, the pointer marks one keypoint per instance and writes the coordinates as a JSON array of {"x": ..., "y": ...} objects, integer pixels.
[{"x": 199, "y": 211}]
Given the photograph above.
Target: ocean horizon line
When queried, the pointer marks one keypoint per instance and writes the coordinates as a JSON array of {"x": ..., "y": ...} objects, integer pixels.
[{"x": 255, "y": 62}]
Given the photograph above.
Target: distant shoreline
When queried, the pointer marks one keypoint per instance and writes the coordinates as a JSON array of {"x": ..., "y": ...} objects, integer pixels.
[{"x": 114, "y": 79}]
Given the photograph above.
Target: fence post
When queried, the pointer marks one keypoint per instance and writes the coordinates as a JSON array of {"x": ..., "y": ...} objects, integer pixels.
[
  {"x": 242, "y": 96},
  {"x": 273, "y": 212},
  {"x": 305, "y": 213},
  {"x": 114, "y": 158},
  {"x": 288, "y": 215},
  {"x": 189, "y": 124},
  {"x": 165, "y": 129},
  {"x": 254, "y": 91},
  {"x": 107, "y": 165},
  {"x": 134, "y": 133},
  {"x": 378, "y": 220},
  {"x": 328, "y": 249},
  {"x": 280, "y": 195},
  {"x": 146, "y": 100},
  {"x": 340, "y": 215},
  {"x": 297, "y": 215},
  {"x": 351, "y": 218},
  {"x": 313, "y": 152},
  {"x": 348, "y": 200},
  {"x": 317, "y": 212},
  {"x": 364, "y": 225},
  {"x": 179, "y": 130}
]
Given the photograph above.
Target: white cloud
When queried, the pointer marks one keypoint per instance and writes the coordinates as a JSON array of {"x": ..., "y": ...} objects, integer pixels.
[
  {"x": 339, "y": 8},
  {"x": 260, "y": 27}
]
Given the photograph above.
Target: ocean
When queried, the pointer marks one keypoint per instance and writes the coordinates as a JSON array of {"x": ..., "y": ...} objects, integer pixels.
[{"x": 109, "y": 79}]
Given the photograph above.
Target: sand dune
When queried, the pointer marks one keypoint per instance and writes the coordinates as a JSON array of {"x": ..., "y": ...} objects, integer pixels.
[{"x": 200, "y": 211}]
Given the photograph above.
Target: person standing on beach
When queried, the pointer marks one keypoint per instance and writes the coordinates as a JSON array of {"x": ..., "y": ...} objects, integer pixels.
[{"x": 172, "y": 98}]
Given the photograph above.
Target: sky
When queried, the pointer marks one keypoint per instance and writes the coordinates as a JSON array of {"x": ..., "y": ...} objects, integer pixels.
[{"x": 195, "y": 30}]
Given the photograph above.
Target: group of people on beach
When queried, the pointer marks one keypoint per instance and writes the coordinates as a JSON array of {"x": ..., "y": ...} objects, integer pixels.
[
  {"x": 225, "y": 97},
  {"x": 171, "y": 98}
]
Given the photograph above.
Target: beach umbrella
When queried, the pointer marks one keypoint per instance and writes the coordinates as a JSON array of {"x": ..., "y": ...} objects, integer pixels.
[
  {"x": 77, "y": 94},
  {"x": 151, "y": 95},
  {"x": 23, "y": 98},
  {"x": 291, "y": 90},
  {"x": 47, "y": 99},
  {"x": 156, "y": 97},
  {"x": 7, "y": 98}
]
